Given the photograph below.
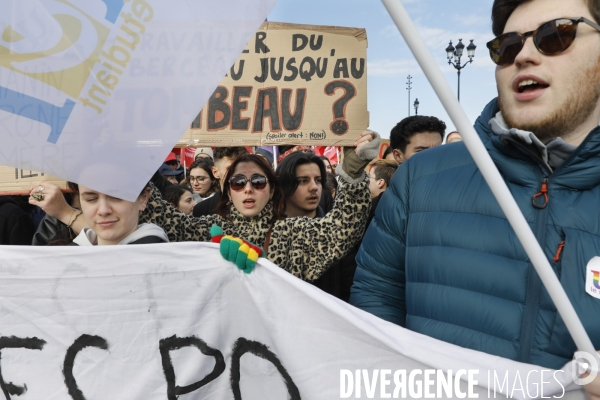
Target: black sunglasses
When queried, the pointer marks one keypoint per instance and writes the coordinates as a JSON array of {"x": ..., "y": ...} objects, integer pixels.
[
  {"x": 238, "y": 182},
  {"x": 550, "y": 38}
]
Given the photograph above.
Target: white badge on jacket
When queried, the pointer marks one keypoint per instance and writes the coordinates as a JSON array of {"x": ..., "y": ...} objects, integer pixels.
[{"x": 592, "y": 278}]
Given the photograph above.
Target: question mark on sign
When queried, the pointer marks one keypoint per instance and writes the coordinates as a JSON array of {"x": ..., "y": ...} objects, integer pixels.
[{"x": 340, "y": 126}]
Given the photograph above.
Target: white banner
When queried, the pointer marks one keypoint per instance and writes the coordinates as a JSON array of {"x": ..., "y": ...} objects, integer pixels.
[
  {"x": 177, "y": 321},
  {"x": 99, "y": 91}
]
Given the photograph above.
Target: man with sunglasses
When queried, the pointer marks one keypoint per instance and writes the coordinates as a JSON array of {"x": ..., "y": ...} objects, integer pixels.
[{"x": 440, "y": 257}]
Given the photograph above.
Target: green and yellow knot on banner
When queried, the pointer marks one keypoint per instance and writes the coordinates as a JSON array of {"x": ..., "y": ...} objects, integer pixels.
[{"x": 237, "y": 250}]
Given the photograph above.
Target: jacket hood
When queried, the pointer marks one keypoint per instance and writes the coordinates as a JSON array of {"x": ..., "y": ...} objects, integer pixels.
[
  {"x": 580, "y": 171},
  {"x": 88, "y": 237}
]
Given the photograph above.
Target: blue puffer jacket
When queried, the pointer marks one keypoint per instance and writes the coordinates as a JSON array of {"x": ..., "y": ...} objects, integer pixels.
[{"x": 441, "y": 259}]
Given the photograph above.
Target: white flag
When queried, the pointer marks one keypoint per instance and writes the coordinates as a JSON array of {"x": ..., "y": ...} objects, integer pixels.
[{"x": 99, "y": 91}]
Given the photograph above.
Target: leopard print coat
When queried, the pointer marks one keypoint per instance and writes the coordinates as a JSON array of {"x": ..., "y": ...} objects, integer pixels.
[{"x": 303, "y": 246}]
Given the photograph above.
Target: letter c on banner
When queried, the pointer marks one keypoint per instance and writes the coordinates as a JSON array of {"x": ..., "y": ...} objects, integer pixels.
[{"x": 80, "y": 343}]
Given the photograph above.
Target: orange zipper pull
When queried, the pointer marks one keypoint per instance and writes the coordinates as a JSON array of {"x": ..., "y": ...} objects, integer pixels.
[
  {"x": 558, "y": 251},
  {"x": 543, "y": 192}
]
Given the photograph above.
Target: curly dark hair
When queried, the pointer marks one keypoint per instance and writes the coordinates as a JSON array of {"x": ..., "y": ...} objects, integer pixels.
[
  {"x": 410, "y": 126},
  {"x": 502, "y": 10},
  {"x": 224, "y": 205}
]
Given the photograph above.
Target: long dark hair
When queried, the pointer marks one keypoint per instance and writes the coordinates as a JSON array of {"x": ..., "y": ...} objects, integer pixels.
[
  {"x": 224, "y": 205},
  {"x": 206, "y": 164},
  {"x": 174, "y": 192}
]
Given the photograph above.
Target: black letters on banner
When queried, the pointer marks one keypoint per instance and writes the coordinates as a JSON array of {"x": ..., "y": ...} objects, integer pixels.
[
  {"x": 236, "y": 76},
  {"x": 13, "y": 342},
  {"x": 307, "y": 74},
  {"x": 341, "y": 68},
  {"x": 217, "y": 104},
  {"x": 357, "y": 73},
  {"x": 316, "y": 46},
  {"x": 276, "y": 75},
  {"x": 291, "y": 122},
  {"x": 243, "y": 346},
  {"x": 197, "y": 122},
  {"x": 175, "y": 343},
  {"x": 80, "y": 343},
  {"x": 264, "y": 70},
  {"x": 237, "y": 122},
  {"x": 261, "y": 112},
  {"x": 260, "y": 46},
  {"x": 340, "y": 126},
  {"x": 299, "y": 42},
  {"x": 292, "y": 68}
]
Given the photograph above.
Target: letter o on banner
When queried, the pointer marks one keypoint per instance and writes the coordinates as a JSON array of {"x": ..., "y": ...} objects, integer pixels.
[{"x": 243, "y": 346}]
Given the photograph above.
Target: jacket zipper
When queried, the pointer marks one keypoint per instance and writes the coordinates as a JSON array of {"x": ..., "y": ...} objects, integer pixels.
[
  {"x": 559, "y": 251},
  {"x": 534, "y": 283},
  {"x": 543, "y": 195}
]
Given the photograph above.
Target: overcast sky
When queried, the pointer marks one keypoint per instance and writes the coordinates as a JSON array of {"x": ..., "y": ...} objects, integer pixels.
[{"x": 390, "y": 61}]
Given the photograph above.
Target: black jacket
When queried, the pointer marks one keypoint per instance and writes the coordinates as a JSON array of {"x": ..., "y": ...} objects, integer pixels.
[
  {"x": 16, "y": 228},
  {"x": 208, "y": 206}
]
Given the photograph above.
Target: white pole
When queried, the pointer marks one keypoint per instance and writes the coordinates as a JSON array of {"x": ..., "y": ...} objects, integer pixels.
[{"x": 490, "y": 174}]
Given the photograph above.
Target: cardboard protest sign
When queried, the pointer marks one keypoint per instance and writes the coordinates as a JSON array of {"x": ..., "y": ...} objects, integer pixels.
[
  {"x": 152, "y": 322},
  {"x": 99, "y": 91},
  {"x": 19, "y": 182},
  {"x": 293, "y": 84}
]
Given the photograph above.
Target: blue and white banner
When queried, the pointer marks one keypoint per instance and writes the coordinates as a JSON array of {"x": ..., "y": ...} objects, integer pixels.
[
  {"x": 175, "y": 321},
  {"x": 99, "y": 91}
]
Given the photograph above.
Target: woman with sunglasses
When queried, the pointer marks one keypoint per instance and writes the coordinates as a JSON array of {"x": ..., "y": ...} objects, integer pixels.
[{"x": 252, "y": 208}]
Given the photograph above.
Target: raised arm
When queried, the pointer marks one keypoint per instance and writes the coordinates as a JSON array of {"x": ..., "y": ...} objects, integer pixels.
[
  {"x": 307, "y": 247},
  {"x": 178, "y": 226},
  {"x": 50, "y": 199}
]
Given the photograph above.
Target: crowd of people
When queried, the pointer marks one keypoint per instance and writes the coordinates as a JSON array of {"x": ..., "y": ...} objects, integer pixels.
[
  {"x": 418, "y": 241},
  {"x": 307, "y": 213}
]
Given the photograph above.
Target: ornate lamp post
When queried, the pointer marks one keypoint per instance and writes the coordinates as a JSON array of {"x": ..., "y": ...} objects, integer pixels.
[
  {"x": 408, "y": 87},
  {"x": 456, "y": 53},
  {"x": 416, "y": 104}
]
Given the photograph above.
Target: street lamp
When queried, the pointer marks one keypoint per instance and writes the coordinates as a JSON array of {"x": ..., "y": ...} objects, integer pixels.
[
  {"x": 416, "y": 104},
  {"x": 408, "y": 87},
  {"x": 456, "y": 53}
]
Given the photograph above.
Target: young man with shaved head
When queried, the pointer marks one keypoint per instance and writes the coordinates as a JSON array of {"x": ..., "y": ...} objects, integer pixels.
[{"x": 440, "y": 256}]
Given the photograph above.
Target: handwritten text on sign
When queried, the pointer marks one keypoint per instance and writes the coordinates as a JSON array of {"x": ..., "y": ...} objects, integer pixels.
[{"x": 293, "y": 84}]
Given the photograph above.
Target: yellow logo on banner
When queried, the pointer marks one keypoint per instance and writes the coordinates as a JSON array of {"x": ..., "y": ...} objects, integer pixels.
[{"x": 62, "y": 58}]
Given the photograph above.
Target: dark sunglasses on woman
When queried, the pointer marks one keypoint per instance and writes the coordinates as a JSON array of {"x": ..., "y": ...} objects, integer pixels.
[
  {"x": 550, "y": 38},
  {"x": 238, "y": 182}
]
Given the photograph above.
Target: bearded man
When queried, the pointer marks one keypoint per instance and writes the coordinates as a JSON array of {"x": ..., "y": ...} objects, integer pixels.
[{"x": 440, "y": 256}]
